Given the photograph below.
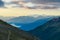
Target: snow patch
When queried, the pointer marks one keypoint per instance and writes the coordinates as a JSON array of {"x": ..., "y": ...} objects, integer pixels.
[{"x": 15, "y": 25}]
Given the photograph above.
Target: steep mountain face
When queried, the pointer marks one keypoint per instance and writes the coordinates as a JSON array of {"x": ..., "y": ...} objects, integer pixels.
[
  {"x": 8, "y": 32},
  {"x": 49, "y": 30}
]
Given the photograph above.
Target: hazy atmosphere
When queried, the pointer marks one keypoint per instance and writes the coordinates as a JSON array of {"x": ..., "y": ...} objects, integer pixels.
[{"x": 40, "y": 18}]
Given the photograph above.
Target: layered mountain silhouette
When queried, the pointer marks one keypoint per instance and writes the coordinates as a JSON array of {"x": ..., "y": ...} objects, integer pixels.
[
  {"x": 22, "y": 19},
  {"x": 49, "y": 30},
  {"x": 8, "y": 32},
  {"x": 28, "y": 23},
  {"x": 26, "y": 19}
]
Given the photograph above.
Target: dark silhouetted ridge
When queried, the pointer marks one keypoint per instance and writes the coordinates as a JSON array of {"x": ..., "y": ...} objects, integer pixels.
[
  {"x": 8, "y": 32},
  {"x": 49, "y": 30}
]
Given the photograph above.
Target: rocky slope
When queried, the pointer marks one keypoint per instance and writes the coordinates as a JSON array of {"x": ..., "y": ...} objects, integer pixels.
[{"x": 8, "y": 32}]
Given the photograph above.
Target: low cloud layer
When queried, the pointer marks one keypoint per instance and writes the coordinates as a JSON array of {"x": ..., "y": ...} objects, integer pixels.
[{"x": 44, "y": 1}]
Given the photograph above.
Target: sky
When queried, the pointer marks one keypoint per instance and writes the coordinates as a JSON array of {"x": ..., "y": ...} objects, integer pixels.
[
  {"x": 38, "y": 0},
  {"x": 9, "y": 0},
  {"x": 46, "y": 0},
  {"x": 25, "y": 12}
]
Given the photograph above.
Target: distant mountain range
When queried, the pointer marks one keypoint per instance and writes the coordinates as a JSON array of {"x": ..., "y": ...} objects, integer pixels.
[
  {"x": 29, "y": 22},
  {"x": 5, "y": 18},
  {"x": 26, "y": 19},
  {"x": 22, "y": 19},
  {"x": 44, "y": 27},
  {"x": 48, "y": 31}
]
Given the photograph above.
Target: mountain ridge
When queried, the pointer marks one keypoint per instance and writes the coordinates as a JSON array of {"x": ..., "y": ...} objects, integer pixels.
[
  {"x": 16, "y": 34},
  {"x": 30, "y": 22},
  {"x": 49, "y": 30}
]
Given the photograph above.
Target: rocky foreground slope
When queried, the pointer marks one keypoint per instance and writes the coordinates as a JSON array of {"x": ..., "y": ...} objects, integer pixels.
[{"x": 8, "y": 32}]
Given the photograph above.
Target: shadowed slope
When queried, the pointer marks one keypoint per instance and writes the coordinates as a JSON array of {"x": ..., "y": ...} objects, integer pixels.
[
  {"x": 49, "y": 30},
  {"x": 12, "y": 33}
]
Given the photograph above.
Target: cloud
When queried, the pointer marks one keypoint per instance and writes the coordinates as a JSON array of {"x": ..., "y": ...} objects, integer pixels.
[
  {"x": 44, "y": 1},
  {"x": 6, "y": 0}
]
